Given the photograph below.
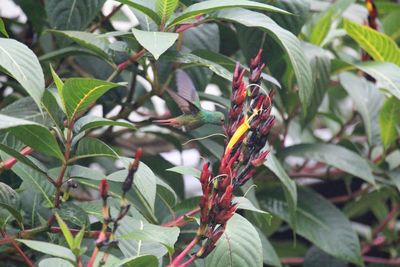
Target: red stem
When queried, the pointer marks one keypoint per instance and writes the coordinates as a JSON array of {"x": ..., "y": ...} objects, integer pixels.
[
  {"x": 189, "y": 261},
  {"x": 180, "y": 221},
  {"x": 130, "y": 60},
  {"x": 184, "y": 252}
]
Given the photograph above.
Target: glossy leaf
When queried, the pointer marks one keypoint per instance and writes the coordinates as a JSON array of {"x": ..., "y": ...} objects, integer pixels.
[
  {"x": 55, "y": 262},
  {"x": 185, "y": 170},
  {"x": 90, "y": 122},
  {"x": 334, "y": 155},
  {"x": 65, "y": 231},
  {"x": 49, "y": 249},
  {"x": 239, "y": 246},
  {"x": 72, "y": 14},
  {"x": 80, "y": 93},
  {"x": 140, "y": 261},
  {"x": 389, "y": 119},
  {"x": 10, "y": 201},
  {"x": 245, "y": 204},
  {"x": 92, "y": 147},
  {"x": 22, "y": 64},
  {"x": 155, "y": 42},
  {"x": 318, "y": 221},
  {"x": 378, "y": 45},
  {"x": 213, "y": 5},
  {"x": 165, "y": 8}
]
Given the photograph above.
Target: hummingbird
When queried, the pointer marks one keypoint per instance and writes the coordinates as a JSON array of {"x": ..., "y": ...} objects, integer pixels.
[{"x": 188, "y": 101}]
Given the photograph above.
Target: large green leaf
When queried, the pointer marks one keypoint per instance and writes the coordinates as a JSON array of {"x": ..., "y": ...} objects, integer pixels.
[
  {"x": 150, "y": 232},
  {"x": 145, "y": 6},
  {"x": 35, "y": 180},
  {"x": 94, "y": 42},
  {"x": 378, "y": 45},
  {"x": 22, "y": 64},
  {"x": 239, "y": 246},
  {"x": 92, "y": 147},
  {"x": 215, "y": 5},
  {"x": 155, "y": 42},
  {"x": 316, "y": 258},
  {"x": 269, "y": 254},
  {"x": 318, "y": 221},
  {"x": 387, "y": 75},
  {"x": 301, "y": 9},
  {"x": 90, "y": 122},
  {"x": 32, "y": 134},
  {"x": 140, "y": 261},
  {"x": 55, "y": 262},
  {"x": 285, "y": 39},
  {"x": 165, "y": 8},
  {"x": 80, "y": 93},
  {"x": 289, "y": 185},
  {"x": 10, "y": 201},
  {"x": 49, "y": 249},
  {"x": 334, "y": 155},
  {"x": 367, "y": 101},
  {"x": 389, "y": 119},
  {"x": 134, "y": 248},
  {"x": 72, "y": 14}
]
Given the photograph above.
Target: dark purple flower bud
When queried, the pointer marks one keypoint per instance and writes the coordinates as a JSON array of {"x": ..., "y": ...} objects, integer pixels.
[
  {"x": 260, "y": 159},
  {"x": 254, "y": 62}
]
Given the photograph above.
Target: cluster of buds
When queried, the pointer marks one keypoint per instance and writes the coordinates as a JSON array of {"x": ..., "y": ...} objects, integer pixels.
[
  {"x": 249, "y": 124},
  {"x": 109, "y": 238}
]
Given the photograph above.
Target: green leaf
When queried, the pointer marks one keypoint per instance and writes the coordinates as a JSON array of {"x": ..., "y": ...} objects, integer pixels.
[
  {"x": 150, "y": 232},
  {"x": 134, "y": 248},
  {"x": 72, "y": 14},
  {"x": 239, "y": 246},
  {"x": 245, "y": 204},
  {"x": 66, "y": 232},
  {"x": 97, "y": 43},
  {"x": 32, "y": 134},
  {"x": 387, "y": 75},
  {"x": 79, "y": 237},
  {"x": 186, "y": 170},
  {"x": 301, "y": 9},
  {"x": 49, "y": 249},
  {"x": 140, "y": 261},
  {"x": 334, "y": 155},
  {"x": 80, "y": 93},
  {"x": 269, "y": 254},
  {"x": 367, "y": 101},
  {"x": 3, "y": 28},
  {"x": 165, "y": 8},
  {"x": 35, "y": 180},
  {"x": 21, "y": 158},
  {"x": 155, "y": 42},
  {"x": 285, "y": 39},
  {"x": 316, "y": 258},
  {"x": 215, "y": 5},
  {"x": 378, "y": 45},
  {"x": 389, "y": 119},
  {"x": 89, "y": 122},
  {"x": 55, "y": 262},
  {"x": 145, "y": 6},
  {"x": 22, "y": 64},
  {"x": 10, "y": 201},
  {"x": 72, "y": 213},
  {"x": 92, "y": 147},
  {"x": 289, "y": 186},
  {"x": 60, "y": 86},
  {"x": 318, "y": 221}
]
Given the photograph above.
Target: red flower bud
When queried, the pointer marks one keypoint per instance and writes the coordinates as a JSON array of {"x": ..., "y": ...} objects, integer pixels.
[
  {"x": 254, "y": 62},
  {"x": 260, "y": 159},
  {"x": 103, "y": 188}
]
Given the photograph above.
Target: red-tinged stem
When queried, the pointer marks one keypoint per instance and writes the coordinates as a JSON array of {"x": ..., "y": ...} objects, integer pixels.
[
  {"x": 189, "y": 261},
  {"x": 90, "y": 234},
  {"x": 122, "y": 66},
  {"x": 184, "y": 252},
  {"x": 93, "y": 257},
  {"x": 388, "y": 218},
  {"x": 8, "y": 164},
  {"x": 180, "y": 221},
  {"x": 292, "y": 261},
  {"x": 393, "y": 262},
  {"x": 18, "y": 249},
  {"x": 104, "y": 19}
]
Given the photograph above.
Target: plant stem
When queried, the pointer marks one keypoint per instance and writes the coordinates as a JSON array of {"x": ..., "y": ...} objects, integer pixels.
[
  {"x": 122, "y": 66},
  {"x": 180, "y": 221},
  {"x": 184, "y": 252},
  {"x": 104, "y": 19},
  {"x": 19, "y": 250}
]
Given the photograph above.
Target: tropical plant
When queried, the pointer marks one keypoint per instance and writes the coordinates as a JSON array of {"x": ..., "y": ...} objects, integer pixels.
[{"x": 297, "y": 153}]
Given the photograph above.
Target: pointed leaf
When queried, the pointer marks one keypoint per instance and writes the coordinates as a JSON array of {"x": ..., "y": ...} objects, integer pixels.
[
  {"x": 378, "y": 45},
  {"x": 318, "y": 221},
  {"x": 92, "y": 147},
  {"x": 60, "y": 86},
  {"x": 49, "y": 249},
  {"x": 155, "y": 42},
  {"x": 3, "y": 28},
  {"x": 239, "y": 246},
  {"x": 215, "y": 5},
  {"x": 22, "y": 64},
  {"x": 66, "y": 232},
  {"x": 90, "y": 122},
  {"x": 285, "y": 39},
  {"x": 334, "y": 155},
  {"x": 165, "y": 8},
  {"x": 389, "y": 119},
  {"x": 80, "y": 93}
]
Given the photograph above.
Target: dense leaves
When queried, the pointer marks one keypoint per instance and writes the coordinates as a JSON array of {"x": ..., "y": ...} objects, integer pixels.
[{"x": 93, "y": 171}]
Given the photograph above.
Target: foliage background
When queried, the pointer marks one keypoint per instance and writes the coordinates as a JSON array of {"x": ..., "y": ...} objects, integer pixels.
[{"x": 331, "y": 184}]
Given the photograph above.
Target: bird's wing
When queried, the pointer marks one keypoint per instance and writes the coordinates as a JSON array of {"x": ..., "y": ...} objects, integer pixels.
[
  {"x": 184, "y": 104},
  {"x": 186, "y": 87}
]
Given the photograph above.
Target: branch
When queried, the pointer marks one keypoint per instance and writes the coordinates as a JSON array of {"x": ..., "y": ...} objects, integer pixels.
[
  {"x": 104, "y": 19},
  {"x": 180, "y": 221}
]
